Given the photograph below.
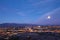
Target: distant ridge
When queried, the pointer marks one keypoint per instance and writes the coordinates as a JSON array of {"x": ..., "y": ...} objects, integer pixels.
[
  {"x": 16, "y": 25},
  {"x": 21, "y": 25}
]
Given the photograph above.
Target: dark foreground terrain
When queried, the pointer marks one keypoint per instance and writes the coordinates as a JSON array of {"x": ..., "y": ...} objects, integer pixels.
[{"x": 34, "y": 36}]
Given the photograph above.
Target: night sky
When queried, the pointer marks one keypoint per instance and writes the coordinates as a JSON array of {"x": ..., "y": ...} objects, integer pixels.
[{"x": 43, "y": 12}]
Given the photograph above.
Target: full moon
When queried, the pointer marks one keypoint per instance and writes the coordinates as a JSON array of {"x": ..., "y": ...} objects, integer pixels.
[{"x": 49, "y": 17}]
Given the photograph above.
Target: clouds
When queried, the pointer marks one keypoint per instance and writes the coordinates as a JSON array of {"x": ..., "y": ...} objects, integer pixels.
[
  {"x": 28, "y": 11},
  {"x": 44, "y": 4},
  {"x": 55, "y": 18},
  {"x": 41, "y": 2},
  {"x": 21, "y": 14}
]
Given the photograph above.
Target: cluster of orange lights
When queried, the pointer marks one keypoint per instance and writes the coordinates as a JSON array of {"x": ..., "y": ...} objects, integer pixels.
[{"x": 34, "y": 29}]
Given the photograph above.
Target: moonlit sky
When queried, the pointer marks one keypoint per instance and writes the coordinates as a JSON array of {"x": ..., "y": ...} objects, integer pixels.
[{"x": 43, "y": 12}]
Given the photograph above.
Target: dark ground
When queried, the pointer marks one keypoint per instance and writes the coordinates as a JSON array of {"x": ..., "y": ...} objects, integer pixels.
[{"x": 35, "y": 36}]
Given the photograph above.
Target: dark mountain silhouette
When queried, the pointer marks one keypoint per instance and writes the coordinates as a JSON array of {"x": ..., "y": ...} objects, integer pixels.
[{"x": 16, "y": 25}]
